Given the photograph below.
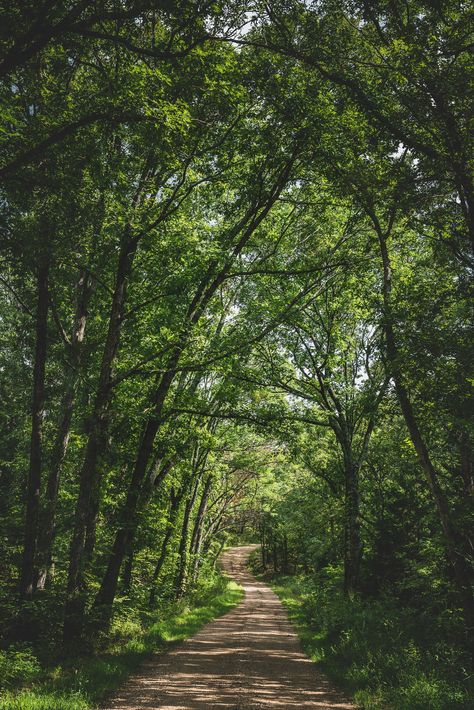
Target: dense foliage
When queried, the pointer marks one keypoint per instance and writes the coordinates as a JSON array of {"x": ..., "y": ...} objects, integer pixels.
[{"x": 236, "y": 302}]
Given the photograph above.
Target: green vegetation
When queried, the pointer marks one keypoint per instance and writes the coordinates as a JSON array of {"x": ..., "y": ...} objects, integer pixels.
[
  {"x": 236, "y": 302},
  {"x": 85, "y": 682},
  {"x": 379, "y": 652}
]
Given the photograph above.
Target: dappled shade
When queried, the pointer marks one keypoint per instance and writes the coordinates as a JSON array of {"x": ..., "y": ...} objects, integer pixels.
[{"x": 249, "y": 658}]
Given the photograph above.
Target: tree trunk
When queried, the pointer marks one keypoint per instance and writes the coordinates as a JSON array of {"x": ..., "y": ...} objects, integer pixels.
[
  {"x": 198, "y": 558},
  {"x": 27, "y": 578},
  {"x": 204, "y": 293},
  {"x": 275, "y": 554},
  {"x": 127, "y": 570},
  {"x": 159, "y": 563},
  {"x": 183, "y": 552},
  {"x": 175, "y": 501},
  {"x": 462, "y": 573},
  {"x": 128, "y": 518},
  {"x": 47, "y": 518},
  {"x": 218, "y": 554},
  {"x": 466, "y": 468},
  {"x": 285, "y": 568},
  {"x": 87, "y": 506},
  {"x": 89, "y": 480},
  {"x": 196, "y": 537},
  {"x": 352, "y": 544}
]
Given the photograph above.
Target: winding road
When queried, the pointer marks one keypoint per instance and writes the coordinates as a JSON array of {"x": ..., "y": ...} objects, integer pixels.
[{"x": 248, "y": 659}]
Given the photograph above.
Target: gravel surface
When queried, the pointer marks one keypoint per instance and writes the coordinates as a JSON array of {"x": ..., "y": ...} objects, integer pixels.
[{"x": 246, "y": 660}]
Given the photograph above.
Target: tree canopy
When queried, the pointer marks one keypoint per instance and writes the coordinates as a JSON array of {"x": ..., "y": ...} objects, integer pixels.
[{"x": 236, "y": 302}]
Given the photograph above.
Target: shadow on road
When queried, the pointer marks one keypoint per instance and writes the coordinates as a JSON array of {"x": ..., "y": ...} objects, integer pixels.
[{"x": 248, "y": 659}]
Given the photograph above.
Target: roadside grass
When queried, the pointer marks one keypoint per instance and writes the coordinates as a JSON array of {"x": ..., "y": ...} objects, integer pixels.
[
  {"x": 384, "y": 656},
  {"x": 84, "y": 683}
]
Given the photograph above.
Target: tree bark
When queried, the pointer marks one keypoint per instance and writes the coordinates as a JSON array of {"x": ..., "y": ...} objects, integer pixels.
[
  {"x": 128, "y": 570},
  {"x": 128, "y": 518},
  {"x": 275, "y": 554},
  {"x": 263, "y": 543},
  {"x": 175, "y": 500},
  {"x": 196, "y": 537},
  {"x": 28, "y": 574},
  {"x": 352, "y": 544},
  {"x": 183, "y": 551},
  {"x": 47, "y": 518},
  {"x": 285, "y": 567},
  {"x": 462, "y": 573},
  {"x": 89, "y": 480}
]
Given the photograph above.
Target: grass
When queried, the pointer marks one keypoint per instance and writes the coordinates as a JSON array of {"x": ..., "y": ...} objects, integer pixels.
[
  {"x": 386, "y": 656},
  {"x": 82, "y": 684}
]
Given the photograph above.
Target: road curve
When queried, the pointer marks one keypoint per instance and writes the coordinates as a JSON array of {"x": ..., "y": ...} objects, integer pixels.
[{"x": 248, "y": 659}]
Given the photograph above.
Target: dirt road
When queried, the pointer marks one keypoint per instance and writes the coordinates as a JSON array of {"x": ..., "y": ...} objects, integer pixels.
[{"x": 248, "y": 659}]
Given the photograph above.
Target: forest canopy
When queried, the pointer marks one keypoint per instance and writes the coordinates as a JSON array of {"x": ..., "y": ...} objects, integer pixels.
[{"x": 236, "y": 303}]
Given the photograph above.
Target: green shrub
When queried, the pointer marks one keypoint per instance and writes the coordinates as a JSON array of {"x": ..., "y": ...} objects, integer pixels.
[
  {"x": 18, "y": 665},
  {"x": 82, "y": 683},
  {"x": 388, "y": 655}
]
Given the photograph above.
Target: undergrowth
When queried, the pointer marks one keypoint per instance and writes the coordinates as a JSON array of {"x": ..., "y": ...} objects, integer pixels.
[
  {"x": 79, "y": 683},
  {"x": 385, "y": 655}
]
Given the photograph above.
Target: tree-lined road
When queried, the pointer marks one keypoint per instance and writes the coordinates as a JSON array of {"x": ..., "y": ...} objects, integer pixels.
[{"x": 248, "y": 659}]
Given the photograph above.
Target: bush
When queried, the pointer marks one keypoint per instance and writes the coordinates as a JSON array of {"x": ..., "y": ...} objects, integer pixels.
[
  {"x": 18, "y": 665},
  {"x": 386, "y": 654},
  {"x": 80, "y": 683}
]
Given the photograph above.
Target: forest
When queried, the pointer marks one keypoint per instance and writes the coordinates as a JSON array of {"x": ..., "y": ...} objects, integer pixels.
[{"x": 236, "y": 306}]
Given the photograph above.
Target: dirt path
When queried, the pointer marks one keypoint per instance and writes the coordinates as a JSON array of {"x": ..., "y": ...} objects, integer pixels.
[{"x": 246, "y": 660}]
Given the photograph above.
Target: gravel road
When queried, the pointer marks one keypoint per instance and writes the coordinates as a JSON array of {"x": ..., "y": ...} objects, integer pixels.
[{"x": 248, "y": 659}]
